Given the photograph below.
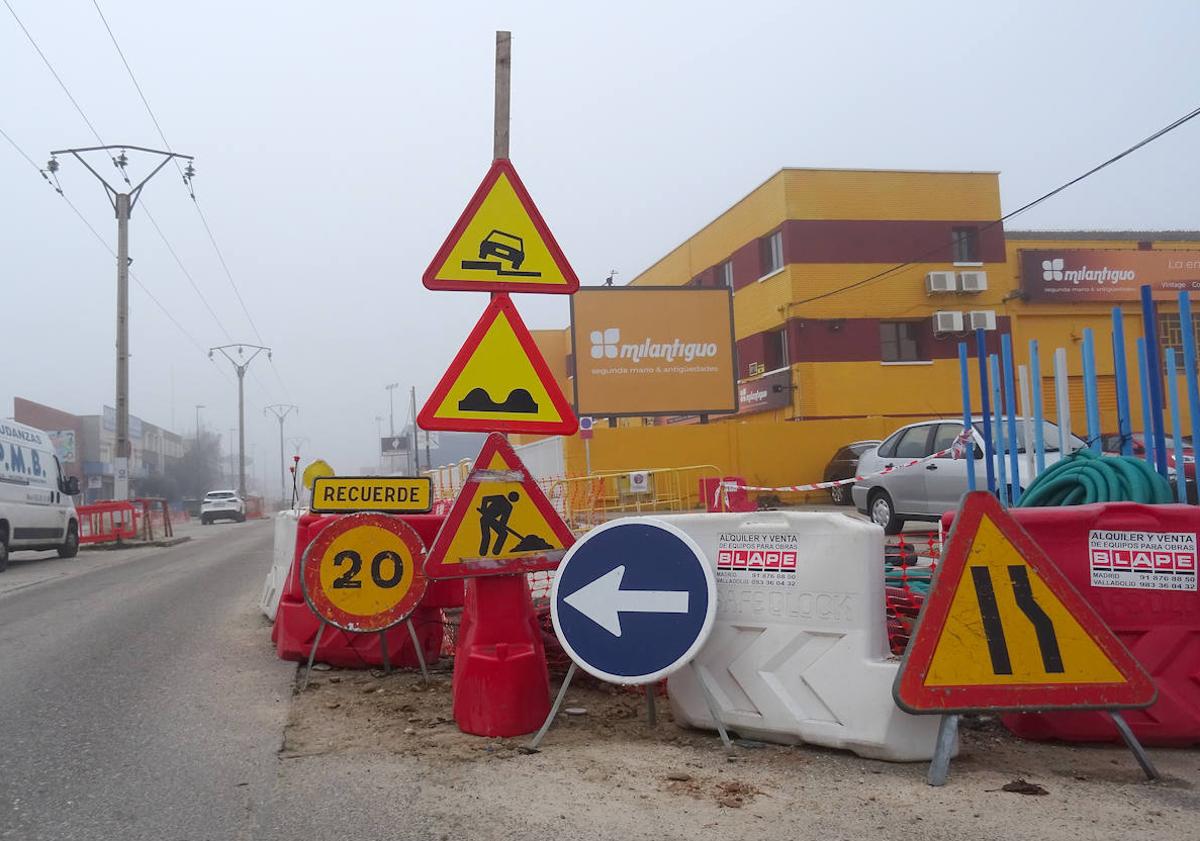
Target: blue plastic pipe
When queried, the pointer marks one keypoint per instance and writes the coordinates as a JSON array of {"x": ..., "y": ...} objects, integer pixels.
[
  {"x": 984, "y": 409},
  {"x": 1147, "y": 438},
  {"x": 1154, "y": 369},
  {"x": 1176, "y": 426},
  {"x": 1121, "y": 376},
  {"x": 1091, "y": 400},
  {"x": 1189, "y": 366},
  {"x": 965, "y": 379},
  {"x": 1039, "y": 422},
  {"x": 1010, "y": 408},
  {"x": 997, "y": 402}
]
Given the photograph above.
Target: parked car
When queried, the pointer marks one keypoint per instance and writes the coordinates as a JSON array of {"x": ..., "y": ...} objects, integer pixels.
[
  {"x": 222, "y": 505},
  {"x": 844, "y": 465},
  {"x": 36, "y": 509},
  {"x": 927, "y": 491},
  {"x": 1110, "y": 444}
]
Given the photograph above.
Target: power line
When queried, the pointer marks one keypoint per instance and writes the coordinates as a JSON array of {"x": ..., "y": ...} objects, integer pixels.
[
  {"x": 108, "y": 248},
  {"x": 191, "y": 192},
  {"x": 920, "y": 257}
]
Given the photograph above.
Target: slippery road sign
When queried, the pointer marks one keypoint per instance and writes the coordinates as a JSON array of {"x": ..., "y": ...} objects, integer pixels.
[
  {"x": 501, "y": 243},
  {"x": 633, "y": 600}
]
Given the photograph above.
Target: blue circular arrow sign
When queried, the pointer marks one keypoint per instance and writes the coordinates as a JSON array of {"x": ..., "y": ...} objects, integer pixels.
[{"x": 633, "y": 600}]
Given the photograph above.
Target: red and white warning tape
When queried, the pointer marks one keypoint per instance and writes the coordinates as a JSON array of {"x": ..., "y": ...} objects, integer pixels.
[{"x": 956, "y": 450}]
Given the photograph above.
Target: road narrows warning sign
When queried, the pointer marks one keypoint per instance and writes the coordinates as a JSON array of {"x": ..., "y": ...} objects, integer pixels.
[
  {"x": 1004, "y": 629},
  {"x": 500, "y": 523},
  {"x": 499, "y": 381},
  {"x": 501, "y": 243}
]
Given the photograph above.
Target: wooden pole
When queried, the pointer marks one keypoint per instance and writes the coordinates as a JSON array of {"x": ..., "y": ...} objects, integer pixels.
[{"x": 503, "y": 94}]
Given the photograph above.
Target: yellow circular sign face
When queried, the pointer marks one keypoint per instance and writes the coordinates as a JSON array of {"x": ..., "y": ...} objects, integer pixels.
[{"x": 364, "y": 573}]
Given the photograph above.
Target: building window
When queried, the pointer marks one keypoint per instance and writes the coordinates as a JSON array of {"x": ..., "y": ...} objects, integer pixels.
[
  {"x": 770, "y": 253},
  {"x": 1170, "y": 332},
  {"x": 725, "y": 274},
  {"x": 966, "y": 244},
  {"x": 898, "y": 341},
  {"x": 775, "y": 355}
]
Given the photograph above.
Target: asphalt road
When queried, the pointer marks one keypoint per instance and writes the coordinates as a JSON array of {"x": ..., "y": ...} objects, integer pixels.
[{"x": 138, "y": 696}]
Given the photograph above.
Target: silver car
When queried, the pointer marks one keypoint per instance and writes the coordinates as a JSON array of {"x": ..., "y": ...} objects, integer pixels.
[{"x": 926, "y": 491}]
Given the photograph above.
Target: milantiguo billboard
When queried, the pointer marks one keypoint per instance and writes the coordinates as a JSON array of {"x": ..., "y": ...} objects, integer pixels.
[
  {"x": 653, "y": 350},
  {"x": 1097, "y": 274}
]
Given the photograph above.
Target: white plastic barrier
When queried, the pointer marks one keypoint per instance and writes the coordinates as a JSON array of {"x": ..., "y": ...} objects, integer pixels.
[
  {"x": 281, "y": 561},
  {"x": 799, "y": 650}
]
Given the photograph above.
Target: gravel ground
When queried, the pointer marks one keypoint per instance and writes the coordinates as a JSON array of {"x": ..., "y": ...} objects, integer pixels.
[{"x": 607, "y": 774}]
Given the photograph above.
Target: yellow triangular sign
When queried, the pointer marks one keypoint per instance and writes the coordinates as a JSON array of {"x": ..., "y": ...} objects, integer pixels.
[
  {"x": 499, "y": 382},
  {"x": 1004, "y": 629},
  {"x": 501, "y": 243},
  {"x": 501, "y": 522}
]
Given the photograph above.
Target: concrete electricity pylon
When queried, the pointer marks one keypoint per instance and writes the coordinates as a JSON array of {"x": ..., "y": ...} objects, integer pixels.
[
  {"x": 122, "y": 202},
  {"x": 281, "y": 411},
  {"x": 240, "y": 366}
]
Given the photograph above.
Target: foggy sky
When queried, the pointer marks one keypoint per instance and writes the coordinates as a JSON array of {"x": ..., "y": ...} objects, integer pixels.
[{"x": 336, "y": 144}]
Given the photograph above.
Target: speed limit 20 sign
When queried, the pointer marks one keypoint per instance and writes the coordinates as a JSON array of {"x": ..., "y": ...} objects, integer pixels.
[{"x": 364, "y": 573}]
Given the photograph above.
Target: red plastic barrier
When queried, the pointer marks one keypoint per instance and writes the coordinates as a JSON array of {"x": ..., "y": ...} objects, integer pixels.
[
  {"x": 256, "y": 509},
  {"x": 501, "y": 685},
  {"x": 296, "y": 625},
  {"x": 735, "y": 498},
  {"x": 1160, "y": 627},
  {"x": 107, "y": 522}
]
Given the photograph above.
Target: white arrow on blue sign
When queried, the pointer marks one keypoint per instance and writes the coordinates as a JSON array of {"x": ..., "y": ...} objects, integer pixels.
[{"x": 633, "y": 600}]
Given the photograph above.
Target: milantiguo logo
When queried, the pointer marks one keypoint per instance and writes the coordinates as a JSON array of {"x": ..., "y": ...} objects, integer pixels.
[
  {"x": 1054, "y": 270},
  {"x": 606, "y": 345}
]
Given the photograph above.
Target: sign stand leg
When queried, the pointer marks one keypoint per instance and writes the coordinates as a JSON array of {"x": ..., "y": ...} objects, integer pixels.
[
  {"x": 313, "y": 654},
  {"x": 712, "y": 706},
  {"x": 939, "y": 767},
  {"x": 651, "y": 713},
  {"x": 383, "y": 653},
  {"x": 412, "y": 632},
  {"x": 1139, "y": 752},
  {"x": 562, "y": 693}
]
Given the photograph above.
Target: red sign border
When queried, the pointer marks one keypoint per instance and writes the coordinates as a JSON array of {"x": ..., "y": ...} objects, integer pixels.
[
  {"x": 500, "y": 304},
  {"x": 435, "y": 566},
  {"x": 913, "y": 696},
  {"x": 322, "y": 606},
  {"x": 500, "y": 166}
]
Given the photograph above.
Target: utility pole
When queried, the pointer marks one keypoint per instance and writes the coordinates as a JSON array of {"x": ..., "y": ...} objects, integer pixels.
[
  {"x": 231, "y": 455},
  {"x": 416, "y": 454},
  {"x": 199, "y": 406},
  {"x": 241, "y": 367},
  {"x": 123, "y": 203},
  {"x": 378, "y": 438},
  {"x": 281, "y": 411}
]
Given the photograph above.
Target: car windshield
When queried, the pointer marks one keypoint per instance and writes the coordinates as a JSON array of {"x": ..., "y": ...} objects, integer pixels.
[{"x": 1049, "y": 436}]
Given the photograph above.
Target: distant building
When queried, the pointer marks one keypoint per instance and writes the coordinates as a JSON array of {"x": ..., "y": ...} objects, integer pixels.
[{"x": 86, "y": 445}]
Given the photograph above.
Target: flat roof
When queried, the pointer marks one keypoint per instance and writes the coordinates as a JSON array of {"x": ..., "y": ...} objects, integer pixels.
[{"x": 1140, "y": 236}]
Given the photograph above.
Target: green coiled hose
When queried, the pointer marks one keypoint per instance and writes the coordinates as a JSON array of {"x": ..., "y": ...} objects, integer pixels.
[{"x": 1084, "y": 477}]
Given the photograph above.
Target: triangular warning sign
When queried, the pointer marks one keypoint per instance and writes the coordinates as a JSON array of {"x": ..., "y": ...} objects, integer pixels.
[
  {"x": 501, "y": 243},
  {"x": 499, "y": 382},
  {"x": 1004, "y": 629},
  {"x": 501, "y": 522}
]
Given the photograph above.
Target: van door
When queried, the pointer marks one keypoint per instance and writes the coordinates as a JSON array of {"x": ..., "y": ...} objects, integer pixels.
[{"x": 946, "y": 477}]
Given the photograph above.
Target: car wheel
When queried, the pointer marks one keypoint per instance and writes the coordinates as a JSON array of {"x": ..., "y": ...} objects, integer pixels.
[
  {"x": 3, "y": 551},
  {"x": 204, "y": 521},
  {"x": 70, "y": 547},
  {"x": 840, "y": 494},
  {"x": 883, "y": 513},
  {"x": 241, "y": 518}
]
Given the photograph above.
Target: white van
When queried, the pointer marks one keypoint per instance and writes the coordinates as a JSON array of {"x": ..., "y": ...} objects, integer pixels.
[{"x": 36, "y": 508}]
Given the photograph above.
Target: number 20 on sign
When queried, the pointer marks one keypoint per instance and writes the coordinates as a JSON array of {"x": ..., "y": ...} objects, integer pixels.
[{"x": 364, "y": 572}]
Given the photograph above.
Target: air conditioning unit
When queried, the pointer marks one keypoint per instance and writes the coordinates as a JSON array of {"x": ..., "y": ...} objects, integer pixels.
[
  {"x": 982, "y": 319},
  {"x": 940, "y": 282},
  {"x": 972, "y": 281},
  {"x": 947, "y": 321}
]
